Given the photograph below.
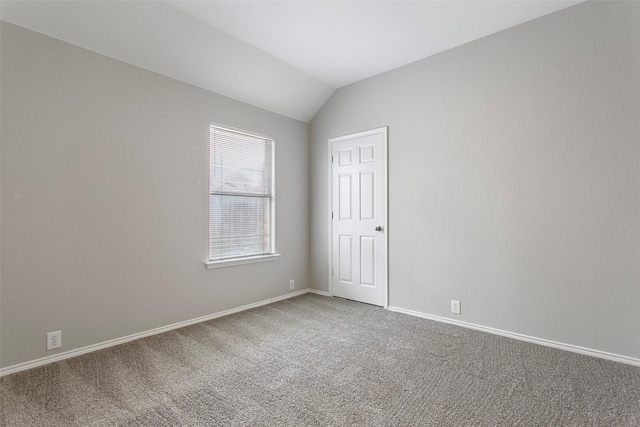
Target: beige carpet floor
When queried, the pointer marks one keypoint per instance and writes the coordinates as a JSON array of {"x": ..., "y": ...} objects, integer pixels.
[{"x": 318, "y": 361}]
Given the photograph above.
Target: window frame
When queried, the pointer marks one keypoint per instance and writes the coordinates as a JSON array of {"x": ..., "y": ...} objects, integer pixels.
[{"x": 272, "y": 254}]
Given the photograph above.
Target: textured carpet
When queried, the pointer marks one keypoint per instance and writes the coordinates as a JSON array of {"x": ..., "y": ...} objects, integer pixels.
[{"x": 321, "y": 361}]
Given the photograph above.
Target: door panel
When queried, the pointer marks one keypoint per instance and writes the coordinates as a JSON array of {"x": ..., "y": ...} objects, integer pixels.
[
  {"x": 346, "y": 196},
  {"x": 358, "y": 224},
  {"x": 346, "y": 257},
  {"x": 344, "y": 157},
  {"x": 367, "y": 195},
  {"x": 367, "y": 260}
]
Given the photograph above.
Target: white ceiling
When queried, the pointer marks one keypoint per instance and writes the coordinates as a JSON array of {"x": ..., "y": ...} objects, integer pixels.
[{"x": 285, "y": 56}]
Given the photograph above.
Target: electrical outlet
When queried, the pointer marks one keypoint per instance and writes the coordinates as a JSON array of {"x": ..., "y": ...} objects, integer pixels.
[
  {"x": 455, "y": 306},
  {"x": 54, "y": 340},
  {"x": 292, "y": 284}
]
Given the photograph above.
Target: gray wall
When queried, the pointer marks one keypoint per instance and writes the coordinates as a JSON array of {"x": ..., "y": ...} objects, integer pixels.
[
  {"x": 105, "y": 200},
  {"x": 514, "y": 178}
]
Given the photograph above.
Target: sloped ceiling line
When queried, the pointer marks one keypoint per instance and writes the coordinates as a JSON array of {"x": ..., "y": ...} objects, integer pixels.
[{"x": 284, "y": 56}]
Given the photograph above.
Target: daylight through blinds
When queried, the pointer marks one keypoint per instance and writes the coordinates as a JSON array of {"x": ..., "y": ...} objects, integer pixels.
[{"x": 240, "y": 195}]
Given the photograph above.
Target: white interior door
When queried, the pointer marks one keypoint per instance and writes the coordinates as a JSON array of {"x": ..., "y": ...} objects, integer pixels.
[{"x": 359, "y": 217}]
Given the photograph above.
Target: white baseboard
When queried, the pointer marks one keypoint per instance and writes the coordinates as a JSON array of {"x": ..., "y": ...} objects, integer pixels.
[
  {"x": 88, "y": 349},
  {"x": 317, "y": 292},
  {"x": 521, "y": 337}
]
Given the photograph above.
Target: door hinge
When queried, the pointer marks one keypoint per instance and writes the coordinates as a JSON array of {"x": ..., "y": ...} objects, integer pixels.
[
  {"x": 331, "y": 215},
  {"x": 331, "y": 159},
  {"x": 332, "y": 272}
]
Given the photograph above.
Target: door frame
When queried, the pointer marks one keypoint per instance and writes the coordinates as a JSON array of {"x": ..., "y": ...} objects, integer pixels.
[{"x": 385, "y": 132}]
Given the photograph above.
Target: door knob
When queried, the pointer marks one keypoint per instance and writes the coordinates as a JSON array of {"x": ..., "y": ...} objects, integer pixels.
[{"x": 379, "y": 228}]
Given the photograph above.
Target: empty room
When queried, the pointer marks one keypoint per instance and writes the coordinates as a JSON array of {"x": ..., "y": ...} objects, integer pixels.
[{"x": 319, "y": 213}]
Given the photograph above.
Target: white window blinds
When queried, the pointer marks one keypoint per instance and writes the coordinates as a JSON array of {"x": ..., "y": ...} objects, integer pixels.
[{"x": 241, "y": 204}]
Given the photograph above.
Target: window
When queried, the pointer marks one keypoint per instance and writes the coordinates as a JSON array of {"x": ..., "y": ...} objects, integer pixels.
[{"x": 241, "y": 198}]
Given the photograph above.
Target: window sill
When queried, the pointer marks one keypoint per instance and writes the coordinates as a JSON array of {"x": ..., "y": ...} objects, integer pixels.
[{"x": 239, "y": 261}]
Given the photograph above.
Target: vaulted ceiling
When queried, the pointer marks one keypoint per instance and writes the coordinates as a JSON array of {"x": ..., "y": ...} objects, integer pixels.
[{"x": 285, "y": 56}]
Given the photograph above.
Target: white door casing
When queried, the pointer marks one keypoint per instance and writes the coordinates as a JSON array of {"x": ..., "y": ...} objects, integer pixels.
[{"x": 358, "y": 217}]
